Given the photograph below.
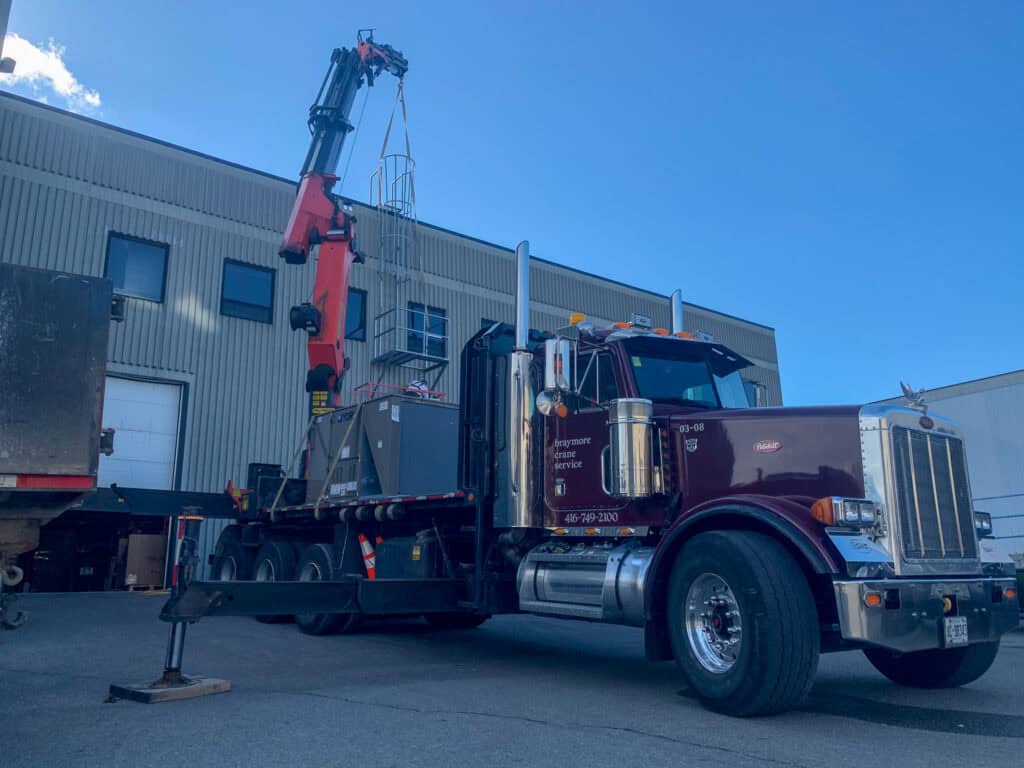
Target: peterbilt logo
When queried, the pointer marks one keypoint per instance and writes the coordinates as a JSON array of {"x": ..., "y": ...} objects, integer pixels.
[{"x": 767, "y": 446}]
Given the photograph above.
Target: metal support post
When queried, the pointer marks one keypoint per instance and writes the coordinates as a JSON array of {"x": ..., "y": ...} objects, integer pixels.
[
  {"x": 186, "y": 547},
  {"x": 173, "y": 684}
]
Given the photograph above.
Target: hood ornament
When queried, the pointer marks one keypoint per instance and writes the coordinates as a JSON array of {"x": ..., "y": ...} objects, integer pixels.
[{"x": 915, "y": 398}]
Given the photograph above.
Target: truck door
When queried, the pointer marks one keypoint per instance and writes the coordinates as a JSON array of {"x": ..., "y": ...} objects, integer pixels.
[{"x": 573, "y": 491}]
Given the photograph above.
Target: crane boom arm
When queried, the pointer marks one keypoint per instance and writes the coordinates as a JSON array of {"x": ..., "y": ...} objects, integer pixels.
[{"x": 317, "y": 218}]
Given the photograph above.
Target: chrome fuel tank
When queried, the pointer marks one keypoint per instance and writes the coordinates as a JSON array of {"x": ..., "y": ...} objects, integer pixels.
[{"x": 600, "y": 581}]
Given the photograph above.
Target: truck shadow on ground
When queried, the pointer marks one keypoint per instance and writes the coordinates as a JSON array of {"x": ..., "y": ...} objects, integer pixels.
[{"x": 591, "y": 663}]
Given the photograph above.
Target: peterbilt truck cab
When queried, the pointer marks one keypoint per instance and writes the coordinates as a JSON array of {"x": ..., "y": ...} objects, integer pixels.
[{"x": 754, "y": 538}]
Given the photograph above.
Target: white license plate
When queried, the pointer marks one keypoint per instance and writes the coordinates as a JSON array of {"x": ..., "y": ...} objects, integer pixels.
[
  {"x": 956, "y": 630},
  {"x": 8, "y": 481}
]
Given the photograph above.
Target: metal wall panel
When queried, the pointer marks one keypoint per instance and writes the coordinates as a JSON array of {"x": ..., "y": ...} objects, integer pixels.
[{"x": 66, "y": 182}]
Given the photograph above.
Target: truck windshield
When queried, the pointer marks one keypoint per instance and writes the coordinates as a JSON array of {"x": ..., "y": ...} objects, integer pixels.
[{"x": 688, "y": 382}]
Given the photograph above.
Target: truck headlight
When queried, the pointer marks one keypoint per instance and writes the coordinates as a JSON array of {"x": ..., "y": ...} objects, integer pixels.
[
  {"x": 841, "y": 511},
  {"x": 983, "y": 523}
]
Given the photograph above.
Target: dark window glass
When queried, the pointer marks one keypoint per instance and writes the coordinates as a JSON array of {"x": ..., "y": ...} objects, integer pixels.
[
  {"x": 415, "y": 327},
  {"x": 355, "y": 315},
  {"x": 588, "y": 379},
  {"x": 597, "y": 380},
  {"x": 750, "y": 389},
  {"x": 427, "y": 330},
  {"x": 666, "y": 380},
  {"x": 136, "y": 267},
  {"x": 606, "y": 386},
  {"x": 247, "y": 292},
  {"x": 485, "y": 323}
]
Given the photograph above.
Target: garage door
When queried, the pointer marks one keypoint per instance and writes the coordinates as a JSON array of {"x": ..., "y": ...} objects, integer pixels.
[{"x": 145, "y": 416}]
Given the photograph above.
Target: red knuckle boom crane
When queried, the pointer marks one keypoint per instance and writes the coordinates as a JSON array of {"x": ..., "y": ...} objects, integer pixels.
[{"x": 319, "y": 218}]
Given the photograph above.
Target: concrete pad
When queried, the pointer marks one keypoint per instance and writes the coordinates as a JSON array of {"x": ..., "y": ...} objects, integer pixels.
[{"x": 157, "y": 691}]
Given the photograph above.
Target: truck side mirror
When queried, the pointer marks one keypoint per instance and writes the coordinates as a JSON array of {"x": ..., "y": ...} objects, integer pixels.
[
  {"x": 558, "y": 364},
  {"x": 559, "y": 375}
]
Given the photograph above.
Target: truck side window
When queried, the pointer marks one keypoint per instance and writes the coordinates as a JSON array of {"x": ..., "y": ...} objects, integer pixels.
[
  {"x": 588, "y": 379},
  {"x": 607, "y": 389}
]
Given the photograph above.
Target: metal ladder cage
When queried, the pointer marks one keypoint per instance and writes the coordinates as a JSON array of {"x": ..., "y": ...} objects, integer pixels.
[{"x": 403, "y": 336}]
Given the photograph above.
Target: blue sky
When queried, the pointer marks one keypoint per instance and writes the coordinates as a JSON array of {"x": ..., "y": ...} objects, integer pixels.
[{"x": 848, "y": 173}]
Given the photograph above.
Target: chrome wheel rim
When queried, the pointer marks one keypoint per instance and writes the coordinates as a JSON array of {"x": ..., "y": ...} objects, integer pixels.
[
  {"x": 265, "y": 571},
  {"x": 227, "y": 569},
  {"x": 714, "y": 626},
  {"x": 310, "y": 572}
]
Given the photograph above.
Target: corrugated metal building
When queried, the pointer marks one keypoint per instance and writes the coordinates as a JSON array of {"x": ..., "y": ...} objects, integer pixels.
[
  {"x": 991, "y": 413},
  {"x": 207, "y": 378}
]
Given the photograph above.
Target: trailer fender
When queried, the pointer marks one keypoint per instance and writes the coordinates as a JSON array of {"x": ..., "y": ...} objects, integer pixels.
[{"x": 784, "y": 519}]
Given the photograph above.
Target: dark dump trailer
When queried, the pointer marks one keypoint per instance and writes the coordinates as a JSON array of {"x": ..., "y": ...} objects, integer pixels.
[{"x": 53, "y": 353}]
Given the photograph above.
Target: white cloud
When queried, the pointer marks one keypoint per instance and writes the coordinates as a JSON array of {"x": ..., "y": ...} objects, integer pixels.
[{"x": 43, "y": 69}]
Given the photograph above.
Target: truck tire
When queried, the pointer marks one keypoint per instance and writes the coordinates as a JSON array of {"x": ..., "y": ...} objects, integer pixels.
[
  {"x": 455, "y": 620},
  {"x": 318, "y": 563},
  {"x": 742, "y": 622},
  {"x": 275, "y": 561},
  {"x": 939, "y": 668},
  {"x": 231, "y": 561}
]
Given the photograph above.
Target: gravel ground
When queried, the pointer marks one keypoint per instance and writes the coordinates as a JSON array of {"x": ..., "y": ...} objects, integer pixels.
[{"x": 519, "y": 690}]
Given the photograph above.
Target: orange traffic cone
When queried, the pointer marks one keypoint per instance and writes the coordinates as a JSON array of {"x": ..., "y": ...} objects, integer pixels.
[{"x": 369, "y": 557}]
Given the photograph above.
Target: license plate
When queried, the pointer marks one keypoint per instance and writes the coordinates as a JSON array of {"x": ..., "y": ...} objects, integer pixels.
[
  {"x": 956, "y": 630},
  {"x": 8, "y": 481}
]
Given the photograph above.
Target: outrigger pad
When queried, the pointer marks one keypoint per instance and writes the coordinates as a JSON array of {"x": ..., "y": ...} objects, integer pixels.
[{"x": 161, "y": 690}]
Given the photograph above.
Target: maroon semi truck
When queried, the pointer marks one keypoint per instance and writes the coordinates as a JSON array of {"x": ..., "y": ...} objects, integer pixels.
[
  {"x": 620, "y": 475},
  {"x": 615, "y": 475}
]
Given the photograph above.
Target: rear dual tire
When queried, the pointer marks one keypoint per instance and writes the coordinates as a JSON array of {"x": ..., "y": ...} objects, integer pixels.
[
  {"x": 318, "y": 562},
  {"x": 231, "y": 561},
  {"x": 275, "y": 561},
  {"x": 743, "y": 624}
]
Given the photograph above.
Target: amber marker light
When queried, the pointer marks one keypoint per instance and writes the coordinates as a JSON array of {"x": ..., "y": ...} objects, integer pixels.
[
  {"x": 626, "y": 531},
  {"x": 873, "y": 599},
  {"x": 822, "y": 511},
  {"x": 561, "y": 410},
  {"x": 620, "y": 324},
  {"x": 559, "y": 531},
  {"x": 1010, "y": 593},
  {"x": 591, "y": 531},
  {"x": 660, "y": 332},
  {"x": 576, "y": 317}
]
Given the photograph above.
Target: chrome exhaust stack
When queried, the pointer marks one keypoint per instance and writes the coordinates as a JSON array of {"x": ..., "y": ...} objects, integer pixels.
[
  {"x": 517, "y": 508},
  {"x": 677, "y": 310}
]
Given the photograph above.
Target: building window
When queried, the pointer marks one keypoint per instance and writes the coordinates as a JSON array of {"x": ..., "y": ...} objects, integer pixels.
[
  {"x": 137, "y": 268},
  {"x": 427, "y": 330},
  {"x": 355, "y": 315},
  {"x": 247, "y": 292}
]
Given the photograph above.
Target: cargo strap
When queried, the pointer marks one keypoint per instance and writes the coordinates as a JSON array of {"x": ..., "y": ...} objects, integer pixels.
[{"x": 334, "y": 461}]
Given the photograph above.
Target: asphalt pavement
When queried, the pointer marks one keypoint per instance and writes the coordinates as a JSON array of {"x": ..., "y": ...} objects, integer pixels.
[{"x": 519, "y": 690}]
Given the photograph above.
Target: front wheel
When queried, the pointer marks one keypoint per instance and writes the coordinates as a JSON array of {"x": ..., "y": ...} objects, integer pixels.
[
  {"x": 938, "y": 668},
  {"x": 743, "y": 624}
]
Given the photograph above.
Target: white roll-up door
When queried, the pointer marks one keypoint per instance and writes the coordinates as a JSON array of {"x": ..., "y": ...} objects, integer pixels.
[{"x": 145, "y": 416}]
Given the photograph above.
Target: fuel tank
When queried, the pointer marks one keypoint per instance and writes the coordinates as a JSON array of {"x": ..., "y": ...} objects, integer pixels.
[{"x": 802, "y": 453}]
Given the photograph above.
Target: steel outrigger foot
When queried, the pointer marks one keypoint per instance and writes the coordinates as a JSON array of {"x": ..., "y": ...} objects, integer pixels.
[{"x": 172, "y": 684}]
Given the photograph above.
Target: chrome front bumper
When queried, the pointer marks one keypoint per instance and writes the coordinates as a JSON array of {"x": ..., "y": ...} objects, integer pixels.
[{"x": 910, "y": 616}]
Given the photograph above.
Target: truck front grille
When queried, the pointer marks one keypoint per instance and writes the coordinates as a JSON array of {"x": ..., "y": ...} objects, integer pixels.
[{"x": 932, "y": 496}]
